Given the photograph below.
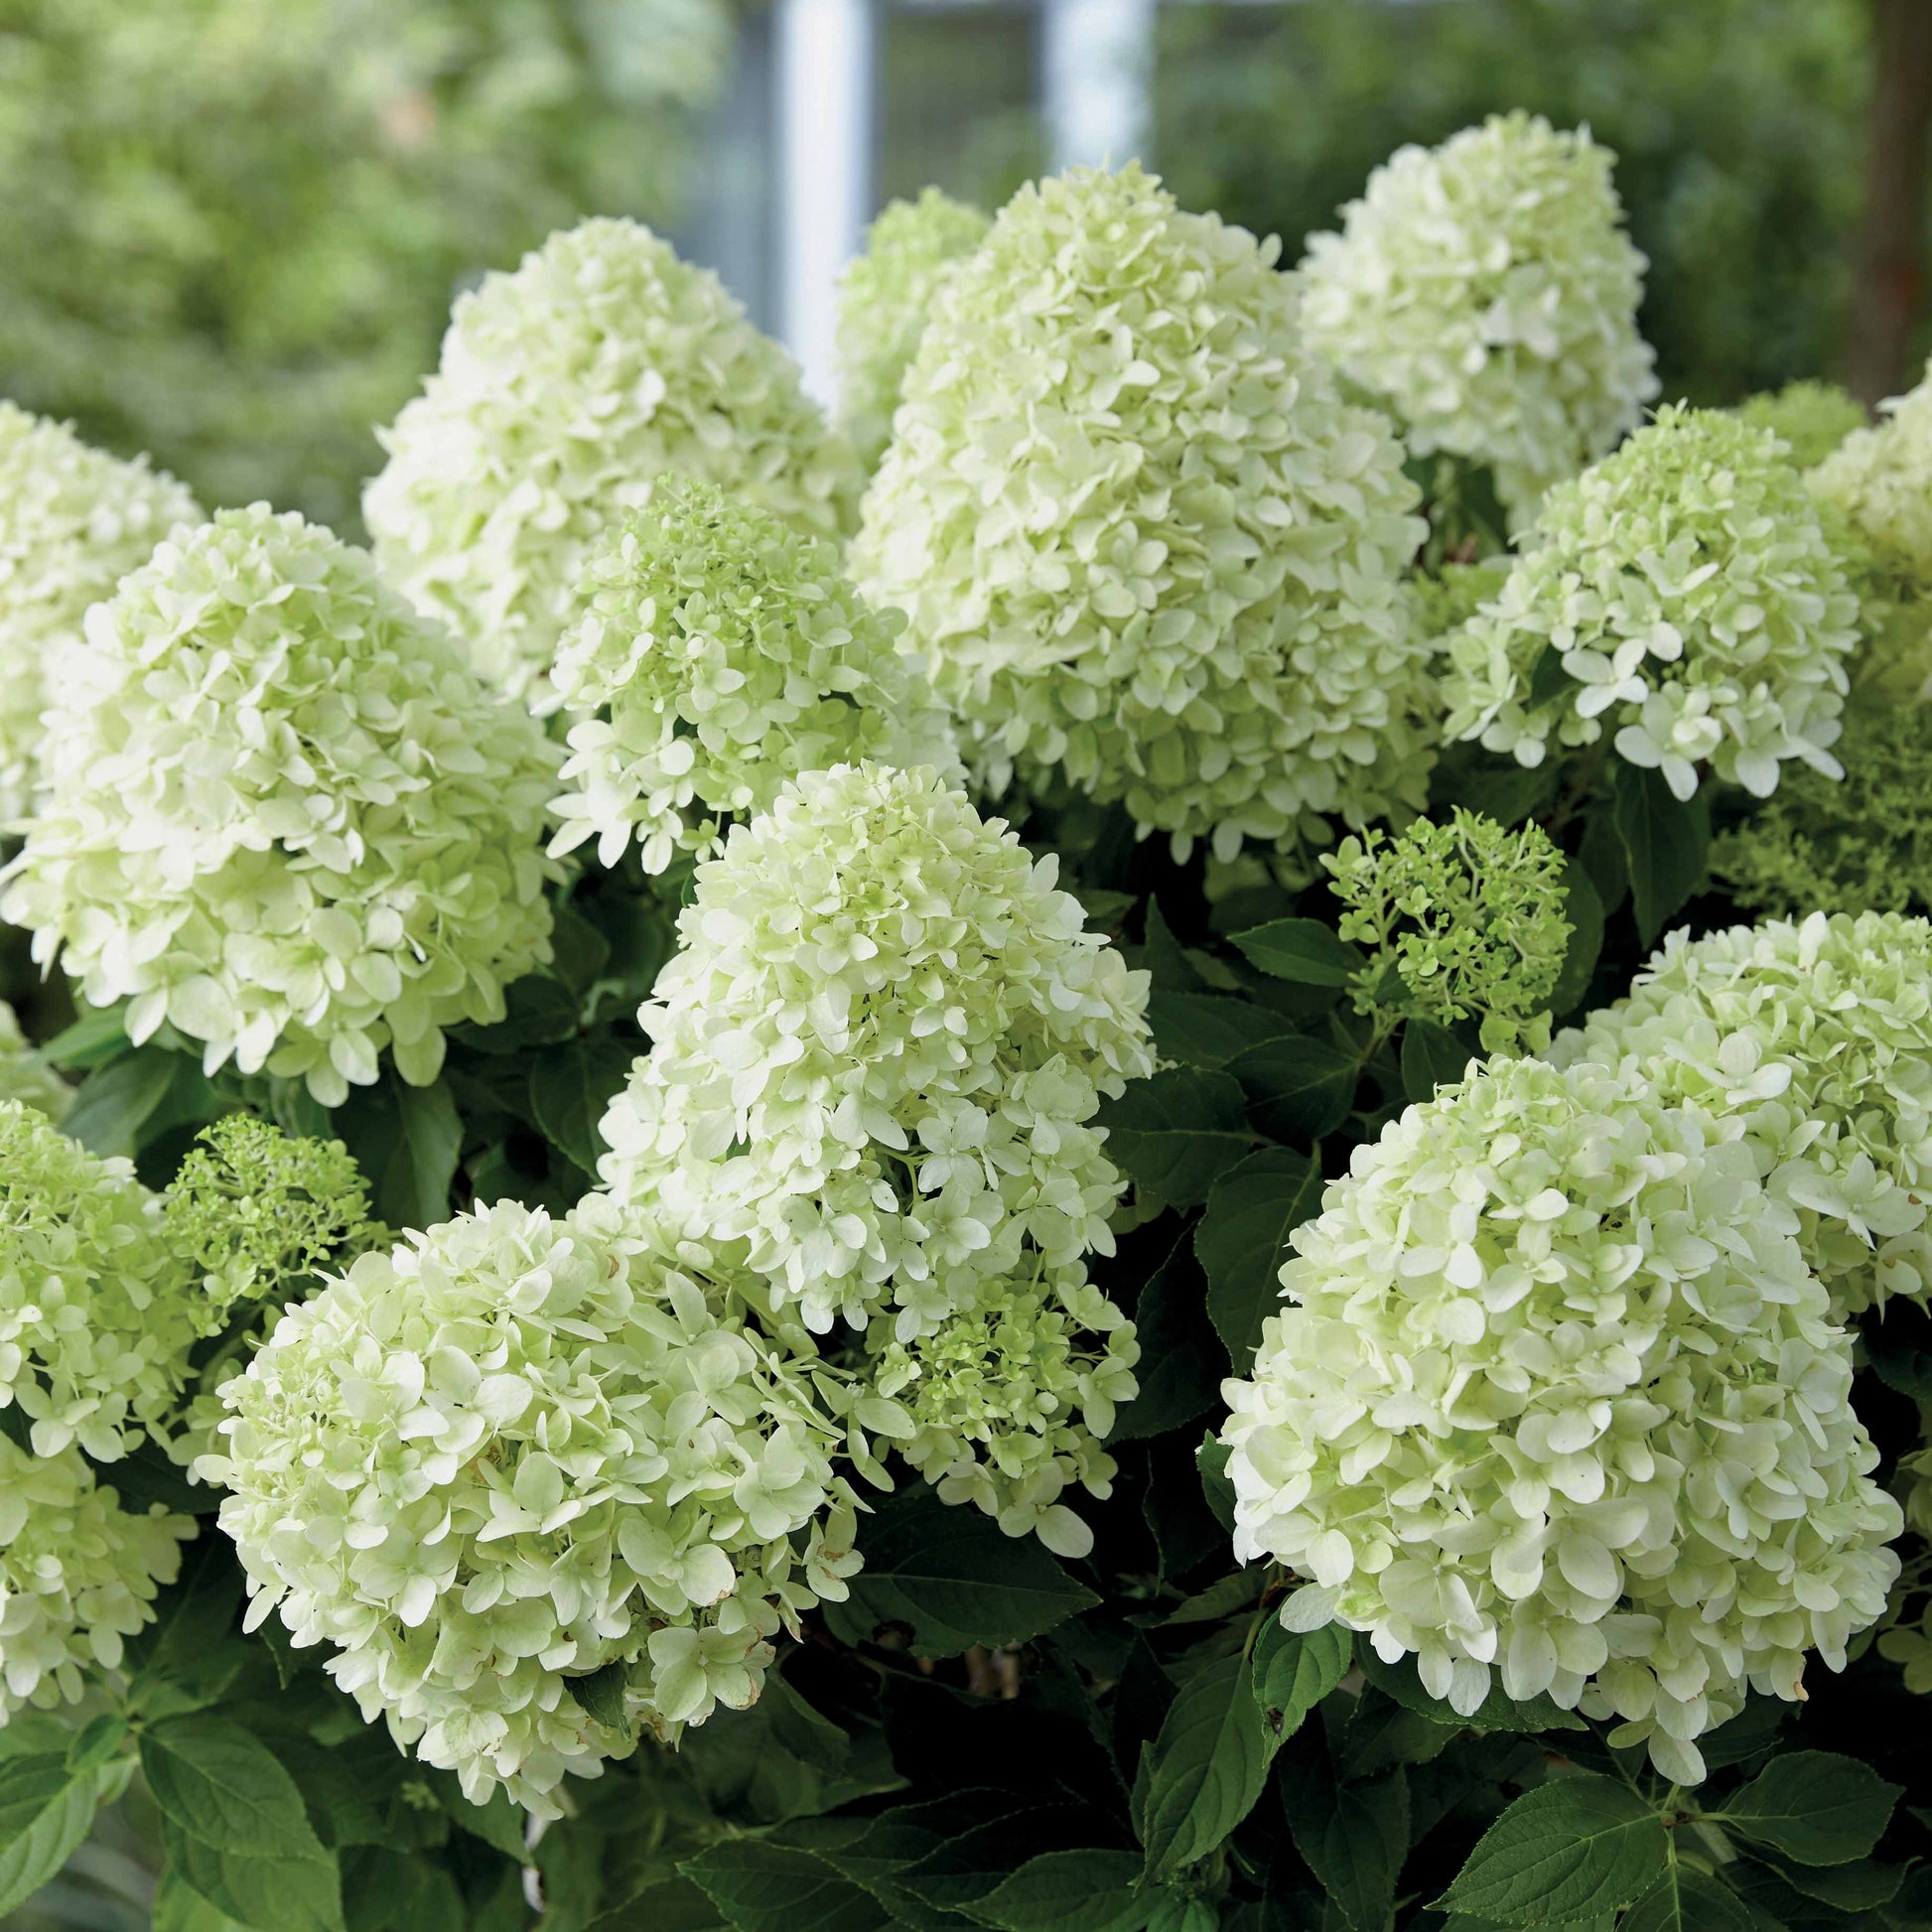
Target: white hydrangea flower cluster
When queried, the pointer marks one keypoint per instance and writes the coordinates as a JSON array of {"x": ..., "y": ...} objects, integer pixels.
[
  {"x": 73, "y": 521},
  {"x": 1140, "y": 539},
  {"x": 519, "y": 1450},
  {"x": 1818, "y": 1036},
  {"x": 886, "y": 296},
  {"x": 1559, "y": 1403},
  {"x": 78, "y": 1573},
  {"x": 566, "y": 388},
  {"x": 1881, "y": 479},
  {"x": 875, "y": 1068},
  {"x": 1011, "y": 1399},
  {"x": 1684, "y": 588},
  {"x": 718, "y": 654},
  {"x": 95, "y": 1316},
  {"x": 283, "y": 815},
  {"x": 1485, "y": 293},
  {"x": 23, "y": 1077}
]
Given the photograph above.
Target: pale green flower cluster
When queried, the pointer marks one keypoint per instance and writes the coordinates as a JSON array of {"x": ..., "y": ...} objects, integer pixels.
[
  {"x": 1485, "y": 292},
  {"x": 73, "y": 521},
  {"x": 565, "y": 390},
  {"x": 875, "y": 1067},
  {"x": 23, "y": 1077},
  {"x": 1467, "y": 917},
  {"x": 1558, "y": 1408},
  {"x": 718, "y": 654},
  {"x": 1811, "y": 418},
  {"x": 1011, "y": 1399},
  {"x": 95, "y": 1316},
  {"x": 1857, "y": 843},
  {"x": 1684, "y": 589},
  {"x": 78, "y": 1573},
  {"x": 1140, "y": 539},
  {"x": 516, "y": 1452},
  {"x": 1817, "y": 1037},
  {"x": 886, "y": 296},
  {"x": 282, "y": 814},
  {"x": 1875, "y": 491}
]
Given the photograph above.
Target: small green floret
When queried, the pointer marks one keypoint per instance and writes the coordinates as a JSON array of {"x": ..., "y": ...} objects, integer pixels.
[
  {"x": 258, "y": 1214},
  {"x": 1466, "y": 916},
  {"x": 885, "y": 298},
  {"x": 1812, "y": 418}
]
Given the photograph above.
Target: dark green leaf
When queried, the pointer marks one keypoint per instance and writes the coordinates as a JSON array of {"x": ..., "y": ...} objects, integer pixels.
[
  {"x": 1181, "y": 1365},
  {"x": 46, "y": 1810},
  {"x": 1814, "y": 1806},
  {"x": 223, "y": 1785},
  {"x": 1353, "y": 1837},
  {"x": 1432, "y": 1057},
  {"x": 1165, "y": 958},
  {"x": 579, "y": 951},
  {"x": 1666, "y": 845},
  {"x": 760, "y": 1886},
  {"x": 98, "y": 1036},
  {"x": 1068, "y": 1892},
  {"x": 1565, "y": 1850},
  {"x": 1214, "y": 1482},
  {"x": 1584, "y": 911},
  {"x": 1898, "y": 1343},
  {"x": 116, "y": 1101},
  {"x": 952, "y": 1579},
  {"x": 571, "y": 1087},
  {"x": 1301, "y": 1087},
  {"x": 1176, "y": 1132},
  {"x": 1206, "y": 1767},
  {"x": 299, "y": 1892},
  {"x": 1303, "y": 950},
  {"x": 1683, "y": 1900},
  {"x": 1293, "y": 1671},
  {"x": 1242, "y": 1241},
  {"x": 406, "y": 1140},
  {"x": 971, "y": 1864},
  {"x": 386, "y": 1891},
  {"x": 180, "y": 1908},
  {"x": 536, "y": 1010},
  {"x": 1861, "y": 1886},
  {"x": 1208, "y": 1029},
  {"x": 1549, "y": 679},
  {"x": 498, "y": 1823},
  {"x": 600, "y": 1693}
]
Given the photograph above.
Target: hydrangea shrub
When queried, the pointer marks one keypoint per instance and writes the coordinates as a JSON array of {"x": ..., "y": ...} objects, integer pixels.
[
  {"x": 621, "y": 1306},
  {"x": 1485, "y": 293}
]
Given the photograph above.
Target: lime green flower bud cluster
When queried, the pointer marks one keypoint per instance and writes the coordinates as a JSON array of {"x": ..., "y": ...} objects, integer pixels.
[
  {"x": 514, "y": 1451},
  {"x": 1011, "y": 1399},
  {"x": 73, "y": 521},
  {"x": 1811, "y": 418},
  {"x": 875, "y": 1067},
  {"x": 95, "y": 1318},
  {"x": 718, "y": 654},
  {"x": 78, "y": 1573},
  {"x": 1466, "y": 917},
  {"x": 1446, "y": 599},
  {"x": 26, "y": 1077},
  {"x": 1818, "y": 1036},
  {"x": 1486, "y": 294},
  {"x": 565, "y": 390},
  {"x": 1140, "y": 541},
  {"x": 885, "y": 298},
  {"x": 1857, "y": 843},
  {"x": 1558, "y": 1408},
  {"x": 1684, "y": 590},
  {"x": 282, "y": 814}
]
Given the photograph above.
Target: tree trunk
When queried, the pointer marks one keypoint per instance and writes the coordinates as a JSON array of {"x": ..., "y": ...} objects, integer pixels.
[{"x": 1888, "y": 287}]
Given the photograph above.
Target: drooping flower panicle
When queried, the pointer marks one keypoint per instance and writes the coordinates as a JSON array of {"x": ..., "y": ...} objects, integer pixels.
[
  {"x": 1140, "y": 540},
  {"x": 283, "y": 815},
  {"x": 566, "y": 390},
  {"x": 1558, "y": 1408},
  {"x": 718, "y": 654},
  {"x": 1485, "y": 293},
  {"x": 1682, "y": 594}
]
